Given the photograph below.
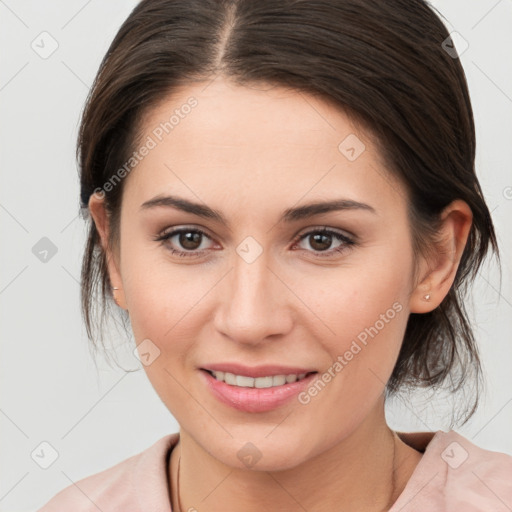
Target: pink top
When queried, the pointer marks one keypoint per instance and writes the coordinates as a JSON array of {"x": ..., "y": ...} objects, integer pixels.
[{"x": 453, "y": 475}]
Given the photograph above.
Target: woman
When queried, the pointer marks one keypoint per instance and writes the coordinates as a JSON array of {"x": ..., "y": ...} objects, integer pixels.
[{"x": 284, "y": 205}]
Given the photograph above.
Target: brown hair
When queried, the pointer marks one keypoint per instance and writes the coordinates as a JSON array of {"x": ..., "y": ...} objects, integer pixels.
[{"x": 384, "y": 63}]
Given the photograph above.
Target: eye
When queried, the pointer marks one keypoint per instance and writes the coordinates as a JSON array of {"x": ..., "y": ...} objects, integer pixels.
[
  {"x": 190, "y": 239},
  {"x": 321, "y": 240}
]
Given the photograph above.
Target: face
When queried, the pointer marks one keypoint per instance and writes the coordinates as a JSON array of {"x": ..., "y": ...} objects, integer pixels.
[{"x": 252, "y": 286}]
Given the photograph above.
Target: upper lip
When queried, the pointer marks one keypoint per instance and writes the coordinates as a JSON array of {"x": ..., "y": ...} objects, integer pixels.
[{"x": 257, "y": 371}]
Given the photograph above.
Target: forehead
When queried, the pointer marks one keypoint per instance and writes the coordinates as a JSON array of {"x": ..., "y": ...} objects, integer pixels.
[
  {"x": 253, "y": 117},
  {"x": 220, "y": 138}
]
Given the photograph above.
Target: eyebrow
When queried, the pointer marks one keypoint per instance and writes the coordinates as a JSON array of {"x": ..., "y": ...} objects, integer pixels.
[{"x": 288, "y": 216}]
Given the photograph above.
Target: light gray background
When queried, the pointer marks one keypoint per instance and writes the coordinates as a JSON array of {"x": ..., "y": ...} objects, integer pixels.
[{"x": 51, "y": 391}]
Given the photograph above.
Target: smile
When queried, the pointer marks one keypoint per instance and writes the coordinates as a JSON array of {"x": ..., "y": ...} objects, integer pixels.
[{"x": 257, "y": 382}]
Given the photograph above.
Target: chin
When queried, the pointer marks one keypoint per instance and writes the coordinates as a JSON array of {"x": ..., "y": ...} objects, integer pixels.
[{"x": 257, "y": 453}]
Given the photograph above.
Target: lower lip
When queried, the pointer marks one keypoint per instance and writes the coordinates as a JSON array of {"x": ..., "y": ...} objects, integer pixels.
[{"x": 255, "y": 399}]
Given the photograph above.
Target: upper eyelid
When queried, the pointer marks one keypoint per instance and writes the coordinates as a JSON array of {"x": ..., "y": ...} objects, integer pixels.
[
  {"x": 337, "y": 231},
  {"x": 170, "y": 232}
]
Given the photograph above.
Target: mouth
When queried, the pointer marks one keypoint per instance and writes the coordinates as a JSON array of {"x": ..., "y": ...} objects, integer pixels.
[
  {"x": 256, "y": 394},
  {"x": 266, "y": 381}
]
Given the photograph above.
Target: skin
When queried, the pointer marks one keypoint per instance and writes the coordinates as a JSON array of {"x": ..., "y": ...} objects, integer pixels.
[{"x": 250, "y": 153}]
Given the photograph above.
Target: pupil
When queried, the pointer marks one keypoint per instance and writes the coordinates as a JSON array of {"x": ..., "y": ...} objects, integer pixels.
[
  {"x": 189, "y": 238},
  {"x": 319, "y": 238}
]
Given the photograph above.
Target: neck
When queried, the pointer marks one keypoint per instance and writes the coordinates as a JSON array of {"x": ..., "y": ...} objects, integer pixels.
[{"x": 367, "y": 470}]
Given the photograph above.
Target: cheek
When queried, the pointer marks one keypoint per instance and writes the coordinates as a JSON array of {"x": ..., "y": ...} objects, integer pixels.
[
  {"x": 160, "y": 305},
  {"x": 151, "y": 287},
  {"x": 366, "y": 313},
  {"x": 365, "y": 307},
  {"x": 167, "y": 305}
]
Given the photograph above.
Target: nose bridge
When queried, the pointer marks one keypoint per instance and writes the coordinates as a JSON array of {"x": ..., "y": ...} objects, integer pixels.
[
  {"x": 251, "y": 308},
  {"x": 250, "y": 280}
]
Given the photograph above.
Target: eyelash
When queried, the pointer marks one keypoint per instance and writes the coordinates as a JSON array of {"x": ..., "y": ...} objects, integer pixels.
[{"x": 347, "y": 242}]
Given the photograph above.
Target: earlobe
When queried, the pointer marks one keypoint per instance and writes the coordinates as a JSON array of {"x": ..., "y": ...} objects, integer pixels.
[
  {"x": 423, "y": 300},
  {"x": 444, "y": 258},
  {"x": 101, "y": 221},
  {"x": 118, "y": 296}
]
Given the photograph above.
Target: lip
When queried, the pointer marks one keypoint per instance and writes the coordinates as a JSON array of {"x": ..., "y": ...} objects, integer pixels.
[
  {"x": 255, "y": 399},
  {"x": 257, "y": 371}
]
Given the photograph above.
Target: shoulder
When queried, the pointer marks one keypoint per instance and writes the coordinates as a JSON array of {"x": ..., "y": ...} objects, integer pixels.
[
  {"x": 456, "y": 474},
  {"x": 123, "y": 486},
  {"x": 480, "y": 477}
]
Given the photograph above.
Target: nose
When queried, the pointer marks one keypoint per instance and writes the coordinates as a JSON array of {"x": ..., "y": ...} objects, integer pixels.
[{"x": 254, "y": 303}]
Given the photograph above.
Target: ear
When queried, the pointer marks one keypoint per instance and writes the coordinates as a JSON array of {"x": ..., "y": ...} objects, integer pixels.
[
  {"x": 101, "y": 220},
  {"x": 438, "y": 273}
]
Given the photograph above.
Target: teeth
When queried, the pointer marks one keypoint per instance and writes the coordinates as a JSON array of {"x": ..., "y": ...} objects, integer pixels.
[{"x": 258, "y": 382}]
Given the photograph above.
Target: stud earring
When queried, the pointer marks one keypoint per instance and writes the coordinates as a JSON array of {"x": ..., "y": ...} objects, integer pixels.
[{"x": 427, "y": 297}]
